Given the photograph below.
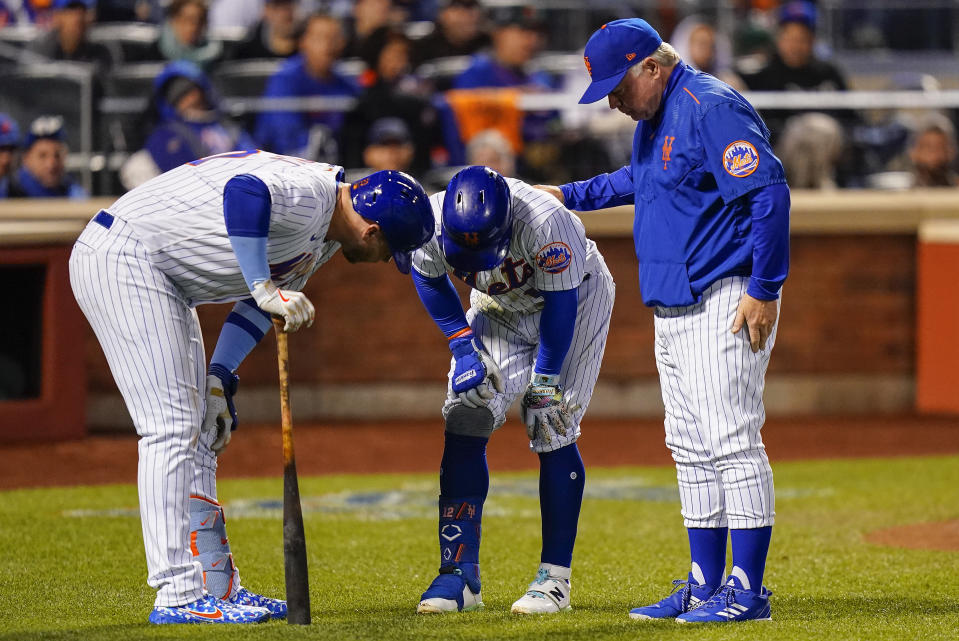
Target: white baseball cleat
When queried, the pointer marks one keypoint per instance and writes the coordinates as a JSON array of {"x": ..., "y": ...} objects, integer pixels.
[{"x": 548, "y": 593}]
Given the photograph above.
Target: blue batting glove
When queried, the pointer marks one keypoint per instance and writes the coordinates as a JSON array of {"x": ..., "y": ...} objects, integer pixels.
[{"x": 474, "y": 372}]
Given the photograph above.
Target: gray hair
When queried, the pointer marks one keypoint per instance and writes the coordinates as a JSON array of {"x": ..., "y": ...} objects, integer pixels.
[
  {"x": 665, "y": 56},
  {"x": 809, "y": 147},
  {"x": 490, "y": 147}
]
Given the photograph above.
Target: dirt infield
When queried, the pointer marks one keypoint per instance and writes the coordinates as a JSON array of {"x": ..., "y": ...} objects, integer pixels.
[
  {"x": 919, "y": 536},
  {"x": 415, "y": 447}
]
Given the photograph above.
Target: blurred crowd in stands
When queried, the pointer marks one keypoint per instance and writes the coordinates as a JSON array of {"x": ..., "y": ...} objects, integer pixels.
[{"x": 424, "y": 86}]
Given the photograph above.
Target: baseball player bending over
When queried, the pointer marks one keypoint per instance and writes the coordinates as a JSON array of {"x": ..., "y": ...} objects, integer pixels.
[
  {"x": 539, "y": 314},
  {"x": 245, "y": 226},
  {"x": 712, "y": 238}
]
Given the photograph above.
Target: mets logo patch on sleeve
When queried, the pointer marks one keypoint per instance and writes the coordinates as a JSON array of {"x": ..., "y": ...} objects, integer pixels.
[
  {"x": 554, "y": 257},
  {"x": 740, "y": 159}
]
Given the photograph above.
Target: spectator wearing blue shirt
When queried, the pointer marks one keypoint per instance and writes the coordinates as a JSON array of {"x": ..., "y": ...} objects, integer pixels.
[
  {"x": 309, "y": 73},
  {"x": 186, "y": 125},
  {"x": 7, "y": 16},
  {"x": 42, "y": 173},
  {"x": 711, "y": 231},
  {"x": 517, "y": 38},
  {"x": 9, "y": 142}
]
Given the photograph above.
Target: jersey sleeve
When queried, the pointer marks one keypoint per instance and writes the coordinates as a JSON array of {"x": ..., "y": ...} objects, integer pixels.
[
  {"x": 428, "y": 260},
  {"x": 738, "y": 154},
  {"x": 555, "y": 245},
  {"x": 604, "y": 190},
  {"x": 299, "y": 195}
]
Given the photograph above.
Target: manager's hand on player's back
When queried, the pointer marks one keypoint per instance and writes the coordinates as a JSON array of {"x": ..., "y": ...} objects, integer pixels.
[
  {"x": 552, "y": 190},
  {"x": 295, "y": 308}
]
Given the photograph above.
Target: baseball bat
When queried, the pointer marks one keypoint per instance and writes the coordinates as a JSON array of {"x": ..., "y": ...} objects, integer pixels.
[{"x": 294, "y": 539}]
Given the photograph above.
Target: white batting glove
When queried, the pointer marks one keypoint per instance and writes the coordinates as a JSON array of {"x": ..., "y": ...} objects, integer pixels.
[
  {"x": 220, "y": 411},
  {"x": 295, "y": 308},
  {"x": 543, "y": 409},
  {"x": 481, "y": 395}
]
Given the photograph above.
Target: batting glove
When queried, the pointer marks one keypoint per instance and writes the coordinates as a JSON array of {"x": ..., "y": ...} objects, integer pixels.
[
  {"x": 474, "y": 372},
  {"x": 543, "y": 409},
  {"x": 220, "y": 415},
  {"x": 294, "y": 307}
]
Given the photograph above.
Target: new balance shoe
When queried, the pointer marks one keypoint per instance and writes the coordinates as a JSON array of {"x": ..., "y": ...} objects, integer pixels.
[
  {"x": 208, "y": 610},
  {"x": 686, "y": 596},
  {"x": 451, "y": 591},
  {"x": 276, "y": 607},
  {"x": 548, "y": 593},
  {"x": 731, "y": 603}
]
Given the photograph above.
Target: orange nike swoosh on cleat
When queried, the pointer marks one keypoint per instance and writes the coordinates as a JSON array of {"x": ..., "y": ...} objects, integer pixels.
[
  {"x": 208, "y": 615},
  {"x": 282, "y": 297},
  {"x": 204, "y": 523},
  {"x": 217, "y": 563}
]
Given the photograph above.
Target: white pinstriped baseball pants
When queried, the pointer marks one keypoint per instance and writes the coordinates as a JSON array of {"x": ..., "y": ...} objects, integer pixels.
[
  {"x": 712, "y": 386},
  {"x": 152, "y": 341},
  {"x": 512, "y": 340}
]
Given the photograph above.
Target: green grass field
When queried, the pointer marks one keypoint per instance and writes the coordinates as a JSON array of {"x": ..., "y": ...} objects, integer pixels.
[{"x": 72, "y": 565}]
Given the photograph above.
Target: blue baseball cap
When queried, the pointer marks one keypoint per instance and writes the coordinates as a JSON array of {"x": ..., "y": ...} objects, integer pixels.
[
  {"x": 67, "y": 4},
  {"x": 612, "y": 50},
  {"x": 798, "y": 11},
  {"x": 9, "y": 132},
  {"x": 45, "y": 128}
]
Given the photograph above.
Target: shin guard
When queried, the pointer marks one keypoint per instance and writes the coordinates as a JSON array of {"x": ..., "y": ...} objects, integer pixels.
[
  {"x": 210, "y": 546},
  {"x": 459, "y": 532}
]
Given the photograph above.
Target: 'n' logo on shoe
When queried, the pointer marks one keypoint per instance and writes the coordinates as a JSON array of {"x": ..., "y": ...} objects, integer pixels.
[{"x": 556, "y": 592}]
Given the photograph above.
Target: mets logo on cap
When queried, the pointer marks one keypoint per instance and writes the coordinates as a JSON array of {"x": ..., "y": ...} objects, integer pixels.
[
  {"x": 554, "y": 257},
  {"x": 740, "y": 159}
]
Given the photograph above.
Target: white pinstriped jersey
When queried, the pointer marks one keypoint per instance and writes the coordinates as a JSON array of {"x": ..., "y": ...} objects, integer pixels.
[
  {"x": 178, "y": 217},
  {"x": 548, "y": 251}
]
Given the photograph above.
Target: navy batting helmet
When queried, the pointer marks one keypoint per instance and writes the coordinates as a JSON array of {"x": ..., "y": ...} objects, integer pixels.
[
  {"x": 399, "y": 205},
  {"x": 477, "y": 220}
]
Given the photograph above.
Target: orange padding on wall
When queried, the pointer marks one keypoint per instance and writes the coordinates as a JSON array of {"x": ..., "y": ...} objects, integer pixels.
[
  {"x": 477, "y": 110},
  {"x": 937, "y": 328}
]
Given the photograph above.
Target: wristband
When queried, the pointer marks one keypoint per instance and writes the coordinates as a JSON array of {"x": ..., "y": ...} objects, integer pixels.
[
  {"x": 466, "y": 332},
  {"x": 544, "y": 379}
]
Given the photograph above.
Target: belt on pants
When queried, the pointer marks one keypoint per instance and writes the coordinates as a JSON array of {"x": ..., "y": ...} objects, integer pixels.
[{"x": 104, "y": 219}]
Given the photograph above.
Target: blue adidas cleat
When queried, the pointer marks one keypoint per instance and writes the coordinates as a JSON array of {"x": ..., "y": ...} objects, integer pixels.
[
  {"x": 276, "y": 607},
  {"x": 451, "y": 591},
  {"x": 686, "y": 596},
  {"x": 208, "y": 610},
  {"x": 731, "y": 603}
]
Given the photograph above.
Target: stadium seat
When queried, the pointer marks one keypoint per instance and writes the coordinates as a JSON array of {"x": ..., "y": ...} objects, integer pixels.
[
  {"x": 441, "y": 71},
  {"x": 244, "y": 78},
  {"x": 66, "y": 88},
  {"x": 127, "y": 41}
]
